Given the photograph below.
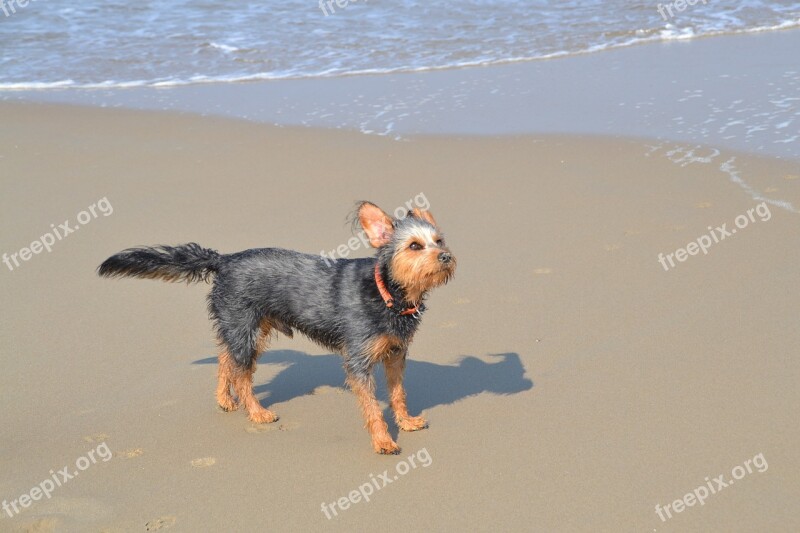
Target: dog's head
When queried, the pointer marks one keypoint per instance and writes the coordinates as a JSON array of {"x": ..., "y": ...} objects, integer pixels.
[{"x": 413, "y": 248}]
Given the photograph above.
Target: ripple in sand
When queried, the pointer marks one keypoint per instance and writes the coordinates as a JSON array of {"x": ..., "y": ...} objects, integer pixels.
[
  {"x": 260, "y": 428},
  {"x": 130, "y": 454},
  {"x": 160, "y": 523},
  {"x": 97, "y": 437}
]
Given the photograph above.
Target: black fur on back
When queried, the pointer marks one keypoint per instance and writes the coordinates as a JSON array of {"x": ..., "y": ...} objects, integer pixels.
[{"x": 336, "y": 305}]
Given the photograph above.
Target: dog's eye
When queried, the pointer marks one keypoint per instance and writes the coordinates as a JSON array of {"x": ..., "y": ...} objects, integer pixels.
[
  {"x": 415, "y": 246},
  {"x": 439, "y": 242}
]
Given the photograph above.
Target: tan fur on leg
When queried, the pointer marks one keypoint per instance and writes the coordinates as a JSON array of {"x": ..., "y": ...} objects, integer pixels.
[
  {"x": 382, "y": 442},
  {"x": 395, "y": 366},
  {"x": 243, "y": 385},
  {"x": 224, "y": 398}
]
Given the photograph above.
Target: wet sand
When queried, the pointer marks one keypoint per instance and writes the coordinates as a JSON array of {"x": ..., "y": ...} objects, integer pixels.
[{"x": 738, "y": 92}]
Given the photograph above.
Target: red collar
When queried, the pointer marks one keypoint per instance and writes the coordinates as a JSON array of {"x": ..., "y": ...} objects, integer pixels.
[{"x": 387, "y": 298}]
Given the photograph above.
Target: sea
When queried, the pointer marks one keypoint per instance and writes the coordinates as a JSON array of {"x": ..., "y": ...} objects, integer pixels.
[{"x": 126, "y": 43}]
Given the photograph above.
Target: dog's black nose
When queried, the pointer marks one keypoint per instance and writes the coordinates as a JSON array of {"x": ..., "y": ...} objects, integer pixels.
[{"x": 445, "y": 257}]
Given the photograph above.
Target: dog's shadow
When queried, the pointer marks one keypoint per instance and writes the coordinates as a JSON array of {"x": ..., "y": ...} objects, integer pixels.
[{"x": 427, "y": 384}]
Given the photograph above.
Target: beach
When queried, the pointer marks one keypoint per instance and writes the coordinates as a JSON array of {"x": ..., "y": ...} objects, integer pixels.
[
  {"x": 616, "y": 351},
  {"x": 571, "y": 383}
]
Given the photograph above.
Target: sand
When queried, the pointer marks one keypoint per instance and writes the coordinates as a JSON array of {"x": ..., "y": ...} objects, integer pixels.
[{"x": 571, "y": 383}]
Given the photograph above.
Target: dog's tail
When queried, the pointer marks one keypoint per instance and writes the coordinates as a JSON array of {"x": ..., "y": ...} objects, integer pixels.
[{"x": 187, "y": 262}]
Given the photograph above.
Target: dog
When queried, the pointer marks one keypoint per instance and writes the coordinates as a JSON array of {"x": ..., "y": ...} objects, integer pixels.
[{"x": 366, "y": 309}]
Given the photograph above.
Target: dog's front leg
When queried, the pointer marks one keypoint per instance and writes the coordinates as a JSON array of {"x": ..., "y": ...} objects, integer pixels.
[
  {"x": 363, "y": 386},
  {"x": 395, "y": 366}
]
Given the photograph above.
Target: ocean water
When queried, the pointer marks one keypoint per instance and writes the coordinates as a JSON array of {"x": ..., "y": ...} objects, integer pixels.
[{"x": 117, "y": 43}]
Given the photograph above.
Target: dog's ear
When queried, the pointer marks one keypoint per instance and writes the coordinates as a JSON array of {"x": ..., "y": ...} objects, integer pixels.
[
  {"x": 422, "y": 215},
  {"x": 376, "y": 223}
]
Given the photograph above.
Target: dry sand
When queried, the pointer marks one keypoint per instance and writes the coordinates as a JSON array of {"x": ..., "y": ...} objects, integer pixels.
[{"x": 571, "y": 383}]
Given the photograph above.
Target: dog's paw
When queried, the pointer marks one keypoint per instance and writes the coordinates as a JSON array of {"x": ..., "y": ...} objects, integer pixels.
[
  {"x": 385, "y": 446},
  {"x": 262, "y": 416},
  {"x": 412, "y": 423},
  {"x": 227, "y": 404}
]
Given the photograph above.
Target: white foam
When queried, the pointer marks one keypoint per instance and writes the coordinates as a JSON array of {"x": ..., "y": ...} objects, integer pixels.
[
  {"x": 669, "y": 33},
  {"x": 224, "y": 47},
  {"x": 734, "y": 175}
]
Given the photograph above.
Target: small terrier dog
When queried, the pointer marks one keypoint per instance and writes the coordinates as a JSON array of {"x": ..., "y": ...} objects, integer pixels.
[{"x": 366, "y": 309}]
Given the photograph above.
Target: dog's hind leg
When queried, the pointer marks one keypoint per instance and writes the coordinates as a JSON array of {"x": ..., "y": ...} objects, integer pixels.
[
  {"x": 242, "y": 379},
  {"x": 243, "y": 384},
  {"x": 224, "y": 381}
]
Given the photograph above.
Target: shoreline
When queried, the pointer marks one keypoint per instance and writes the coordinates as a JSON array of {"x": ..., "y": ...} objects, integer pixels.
[
  {"x": 719, "y": 92},
  {"x": 255, "y": 78}
]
